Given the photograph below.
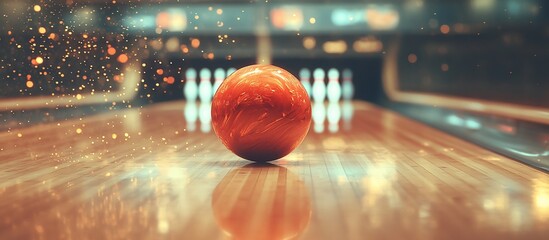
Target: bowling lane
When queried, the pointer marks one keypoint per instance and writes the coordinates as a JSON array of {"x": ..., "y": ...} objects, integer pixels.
[{"x": 155, "y": 173}]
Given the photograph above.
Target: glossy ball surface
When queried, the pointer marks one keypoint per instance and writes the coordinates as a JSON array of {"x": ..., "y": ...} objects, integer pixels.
[{"x": 261, "y": 113}]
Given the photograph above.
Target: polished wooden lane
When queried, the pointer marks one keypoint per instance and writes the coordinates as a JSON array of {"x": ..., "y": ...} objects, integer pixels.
[{"x": 150, "y": 174}]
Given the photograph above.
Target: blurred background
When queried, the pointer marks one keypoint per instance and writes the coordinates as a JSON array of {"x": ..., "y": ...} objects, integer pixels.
[{"x": 475, "y": 68}]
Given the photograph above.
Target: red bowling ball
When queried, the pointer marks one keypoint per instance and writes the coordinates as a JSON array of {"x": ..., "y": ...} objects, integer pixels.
[{"x": 261, "y": 113}]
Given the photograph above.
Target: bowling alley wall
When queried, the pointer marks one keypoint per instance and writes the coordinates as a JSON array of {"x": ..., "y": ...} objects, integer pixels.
[{"x": 72, "y": 53}]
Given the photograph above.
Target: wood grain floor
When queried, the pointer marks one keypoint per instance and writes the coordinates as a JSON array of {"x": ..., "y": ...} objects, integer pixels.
[{"x": 143, "y": 174}]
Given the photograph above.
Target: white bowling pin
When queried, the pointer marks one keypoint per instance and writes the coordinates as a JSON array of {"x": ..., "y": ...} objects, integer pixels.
[
  {"x": 347, "y": 114},
  {"x": 348, "y": 89},
  {"x": 191, "y": 88},
  {"x": 319, "y": 87},
  {"x": 334, "y": 115},
  {"x": 191, "y": 114},
  {"x": 205, "y": 86},
  {"x": 333, "y": 90},
  {"x": 205, "y": 116},
  {"x": 305, "y": 77},
  {"x": 319, "y": 116},
  {"x": 230, "y": 71},
  {"x": 219, "y": 76}
]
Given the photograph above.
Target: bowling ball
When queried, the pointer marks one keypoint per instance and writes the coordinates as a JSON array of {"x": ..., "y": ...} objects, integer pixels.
[
  {"x": 261, "y": 112},
  {"x": 261, "y": 201}
]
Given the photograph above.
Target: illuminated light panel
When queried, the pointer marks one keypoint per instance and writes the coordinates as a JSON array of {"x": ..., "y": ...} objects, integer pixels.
[
  {"x": 368, "y": 45},
  {"x": 156, "y": 44},
  {"x": 172, "y": 45},
  {"x": 163, "y": 20},
  {"x": 287, "y": 18},
  {"x": 309, "y": 43},
  {"x": 343, "y": 17},
  {"x": 171, "y": 21},
  {"x": 382, "y": 18},
  {"x": 444, "y": 29},
  {"x": 483, "y": 5},
  {"x": 335, "y": 47}
]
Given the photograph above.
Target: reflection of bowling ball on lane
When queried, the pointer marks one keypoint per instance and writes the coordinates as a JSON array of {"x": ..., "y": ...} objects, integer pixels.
[
  {"x": 261, "y": 112},
  {"x": 261, "y": 201}
]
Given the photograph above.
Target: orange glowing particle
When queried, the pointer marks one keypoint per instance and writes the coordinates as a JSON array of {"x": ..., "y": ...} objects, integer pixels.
[
  {"x": 412, "y": 58},
  {"x": 30, "y": 84},
  {"x": 85, "y": 77},
  {"x": 52, "y": 36},
  {"x": 219, "y": 11},
  {"x": 39, "y": 60},
  {"x": 123, "y": 58},
  {"x": 159, "y": 71},
  {"x": 37, "y": 8},
  {"x": 85, "y": 35},
  {"x": 444, "y": 67},
  {"x": 445, "y": 29},
  {"x": 195, "y": 43},
  {"x": 111, "y": 51},
  {"x": 210, "y": 56},
  {"x": 169, "y": 80},
  {"x": 117, "y": 78},
  {"x": 184, "y": 48},
  {"x": 42, "y": 30}
]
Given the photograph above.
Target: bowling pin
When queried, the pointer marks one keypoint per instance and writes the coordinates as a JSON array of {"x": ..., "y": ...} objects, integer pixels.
[
  {"x": 347, "y": 111},
  {"x": 219, "y": 76},
  {"x": 333, "y": 90},
  {"x": 319, "y": 87},
  {"x": 334, "y": 115},
  {"x": 305, "y": 76},
  {"x": 191, "y": 88},
  {"x": 191, "y": 114},
  {"x": 319, "y": 116},
  {"x": 205, "y": 116},
  {"x": 205, "y": 86},
  {"x": 230, "y": 71},
  {"x": 348, "y": 89}
]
